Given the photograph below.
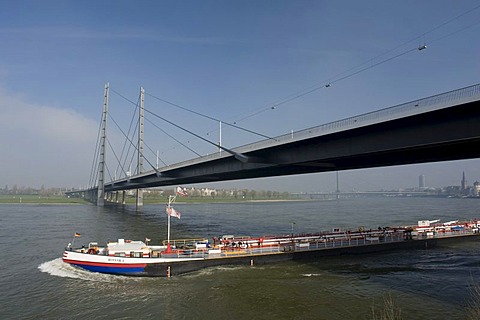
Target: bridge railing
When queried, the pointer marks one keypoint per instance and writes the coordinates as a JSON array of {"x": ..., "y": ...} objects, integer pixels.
[{"x": 436, "y": 102}]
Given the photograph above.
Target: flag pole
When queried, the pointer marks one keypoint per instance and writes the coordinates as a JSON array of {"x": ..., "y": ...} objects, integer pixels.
[
  {"x": 171, "y": 199},
  {"x": 169, "y": 248},
  {"x": 73, "y": 239}
]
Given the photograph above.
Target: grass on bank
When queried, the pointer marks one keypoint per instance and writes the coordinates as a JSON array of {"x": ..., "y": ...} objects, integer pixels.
[
  {"x": 473, "y": 304},
  {"x": 37, "y": 199},
  {"x": 390, "y": 310}
]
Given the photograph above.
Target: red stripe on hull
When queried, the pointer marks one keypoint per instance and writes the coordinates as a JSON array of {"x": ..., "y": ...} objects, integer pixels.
[{"x": 101, "y": 264}]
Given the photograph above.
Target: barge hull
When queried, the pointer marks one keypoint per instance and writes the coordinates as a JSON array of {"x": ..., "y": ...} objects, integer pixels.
[{"x": 182, "y": 267}]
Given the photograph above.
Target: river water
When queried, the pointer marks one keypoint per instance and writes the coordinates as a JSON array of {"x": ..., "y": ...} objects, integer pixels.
[{"x": 423, "y": 284}]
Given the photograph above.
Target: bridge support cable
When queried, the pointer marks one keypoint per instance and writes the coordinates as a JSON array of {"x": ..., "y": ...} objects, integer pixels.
[
  {"x": 132, "y": 144},
  {"x": 93, "y": 171},
  {"x": 210, "y": 118},
  {"x": 173, "y": 138},
  {"x": 239, "y": 156},
  {"x": 101, "y": 164},
  {"x": 127, "y": 135},
  {"x": 135, "y": 130},
  {"x": 118, "y": 160},
  {"x": 123, "y": 164},
  {"x": 107, "y": 170},
  {"x": 198, "y": 136}
]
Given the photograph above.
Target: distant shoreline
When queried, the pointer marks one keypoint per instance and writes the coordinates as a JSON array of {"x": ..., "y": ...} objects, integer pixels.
[{"x": 60, "y": 200}]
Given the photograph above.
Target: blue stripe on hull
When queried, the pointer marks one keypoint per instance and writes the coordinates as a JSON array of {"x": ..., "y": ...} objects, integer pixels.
[{"x": 102, "y": 269}]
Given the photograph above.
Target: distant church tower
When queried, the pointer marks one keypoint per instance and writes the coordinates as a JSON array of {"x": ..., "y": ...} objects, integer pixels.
[{"x": 464, "y": 182}]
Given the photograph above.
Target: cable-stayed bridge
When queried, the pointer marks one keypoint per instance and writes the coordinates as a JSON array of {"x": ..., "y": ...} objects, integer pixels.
[{"x": 442, "y": 127}]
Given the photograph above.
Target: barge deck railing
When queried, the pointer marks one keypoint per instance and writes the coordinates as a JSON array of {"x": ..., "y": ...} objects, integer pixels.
[{"x": 323, "y": 244}]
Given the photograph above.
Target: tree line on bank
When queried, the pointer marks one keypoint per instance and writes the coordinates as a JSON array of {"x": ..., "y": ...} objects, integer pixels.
[
  {"x": 236, "y": 194},
  {"x": 42, "y": 191}
]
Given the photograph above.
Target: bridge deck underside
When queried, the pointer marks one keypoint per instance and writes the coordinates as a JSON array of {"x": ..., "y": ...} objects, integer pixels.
[{"x": 446, "y": 134}]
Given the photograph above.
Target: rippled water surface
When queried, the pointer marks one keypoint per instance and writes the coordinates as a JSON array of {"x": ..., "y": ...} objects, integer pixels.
[{"x": 424, "y": 284}]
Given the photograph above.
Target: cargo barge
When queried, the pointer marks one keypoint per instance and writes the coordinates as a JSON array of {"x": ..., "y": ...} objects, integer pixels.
[{"x": 175, "y": 257}]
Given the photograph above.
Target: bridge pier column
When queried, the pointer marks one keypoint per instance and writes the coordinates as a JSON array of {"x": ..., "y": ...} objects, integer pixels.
[
  {"x": 92, "y": 196},
  {"x": 101, "y": 200},
  {"x": 123, "y": 197},
  {"x": 139, "y": 198}
]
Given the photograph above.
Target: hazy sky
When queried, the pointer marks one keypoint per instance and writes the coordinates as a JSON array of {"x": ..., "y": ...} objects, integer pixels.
[{"x": 230, "y": 60}]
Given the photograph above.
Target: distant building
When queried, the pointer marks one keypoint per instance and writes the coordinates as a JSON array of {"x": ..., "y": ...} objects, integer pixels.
[
  {"x": 464, "y": 182},
  {"x": 476, "y": 189},
  {"x": 421, "y": 181}
]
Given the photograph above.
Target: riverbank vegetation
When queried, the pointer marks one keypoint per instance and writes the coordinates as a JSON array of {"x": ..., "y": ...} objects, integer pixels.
[
  {"x": 213, "y": 195},
  {"x": 150, "y": 196},
  {"x": 390, "y": 310}
]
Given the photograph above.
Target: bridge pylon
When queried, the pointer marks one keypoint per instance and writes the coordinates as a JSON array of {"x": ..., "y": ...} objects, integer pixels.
[
  {"x": 103, "y": 138},
  {"x": 141, "y": 120}
]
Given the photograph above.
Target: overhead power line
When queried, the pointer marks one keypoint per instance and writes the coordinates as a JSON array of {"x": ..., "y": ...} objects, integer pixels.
[
  {"x": 350, "y": 72},
  {"x": 327, "y": 84}
]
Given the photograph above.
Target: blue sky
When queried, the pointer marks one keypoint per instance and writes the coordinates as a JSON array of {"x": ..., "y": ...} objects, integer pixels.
[{"x": 226, "y": 59}]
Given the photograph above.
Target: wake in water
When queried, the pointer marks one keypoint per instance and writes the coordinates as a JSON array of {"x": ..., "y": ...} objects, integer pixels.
[{"x": 58, "y": 268}]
